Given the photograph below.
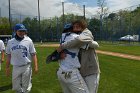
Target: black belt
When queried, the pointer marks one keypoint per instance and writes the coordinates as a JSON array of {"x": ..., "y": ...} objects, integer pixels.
[{"x": 67, "y": 74}]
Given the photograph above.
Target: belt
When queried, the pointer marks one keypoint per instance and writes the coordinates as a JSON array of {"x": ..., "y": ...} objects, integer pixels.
[
  {"x": 67, "y": 74},
  {"x": 24, "y": 64}
]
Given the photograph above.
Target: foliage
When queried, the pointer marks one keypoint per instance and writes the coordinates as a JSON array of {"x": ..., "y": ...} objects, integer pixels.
[
  {"x": 114, "y": 25},
  {"x": 94, "y": 26},
  {"x": 4, "y": 26},
  {"x": 122, "y": 23}
]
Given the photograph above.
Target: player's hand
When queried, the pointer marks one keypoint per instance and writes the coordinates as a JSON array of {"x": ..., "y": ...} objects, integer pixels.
[
  {"x": 7, "y": 71},
  {"x": 63, "y": 55},
  {"x": 2, "y": 60},
  {"x": 59, "y": 49},
  {"x": 36, "y": 70}
]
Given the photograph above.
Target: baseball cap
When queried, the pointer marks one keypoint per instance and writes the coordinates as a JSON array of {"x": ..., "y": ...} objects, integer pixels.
[
  {"x": 20, "y": 27},
  {"x": 67, "y": 26}
]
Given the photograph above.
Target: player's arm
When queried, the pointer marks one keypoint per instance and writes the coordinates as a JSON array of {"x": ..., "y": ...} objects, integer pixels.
[
  {"x": 84, "y": 38},
  {"x": 2, "y": 56},
  {"x": 34, "y": 58},
  {"x": 8, "y": 64},
  {"x": 93, "y": 44},
  {"x": 8, "y": 59}
]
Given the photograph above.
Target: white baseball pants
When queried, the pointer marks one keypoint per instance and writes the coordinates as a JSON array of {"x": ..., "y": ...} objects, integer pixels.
[
  {"x": 92, "y": 82},
  {"x": 72, "y": 82},
  {"x": 21, "y": 78}
]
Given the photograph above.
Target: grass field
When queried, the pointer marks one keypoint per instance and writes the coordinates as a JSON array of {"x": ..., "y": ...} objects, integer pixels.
[{"x": 118, "y": 75}]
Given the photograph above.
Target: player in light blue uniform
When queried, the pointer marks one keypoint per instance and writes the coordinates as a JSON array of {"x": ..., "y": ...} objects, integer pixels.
[
  {"x": 20, "y": 52},
  {"x": 68, "y": 73}
]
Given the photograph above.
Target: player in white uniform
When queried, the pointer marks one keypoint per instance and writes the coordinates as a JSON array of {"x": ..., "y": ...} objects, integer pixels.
[
  {"x": 20, "y": 52},
  {"x": 2, "y": 49},
  {"x": 89, "y": 70},
  {"x": 68, "y": 73}
]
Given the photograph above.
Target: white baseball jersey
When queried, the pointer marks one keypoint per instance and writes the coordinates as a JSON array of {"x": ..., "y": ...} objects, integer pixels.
[
  {"x": 28, "y": 37},
  {"x": 2, "y": 47},
  {"x": 20, "y": 51},
  {"x": 69, "y": 62}
]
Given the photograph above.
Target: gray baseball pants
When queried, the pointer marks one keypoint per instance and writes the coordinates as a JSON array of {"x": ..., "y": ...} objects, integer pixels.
[
  {"x": 21, "y": 78},
  {"x": 92, "y": 82},
  {"x": 72, "y": 82}
]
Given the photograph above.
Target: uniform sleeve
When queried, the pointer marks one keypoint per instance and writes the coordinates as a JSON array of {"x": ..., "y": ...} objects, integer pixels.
[
  {"x": 32, "y": 48},
  {"x": 84, "y": 38},
  {"x": 2, "y": 46},
  {"x": 72, "y": 44},
  {"x": 8, "y": 48},
  {"x": 93, "y": 44}
]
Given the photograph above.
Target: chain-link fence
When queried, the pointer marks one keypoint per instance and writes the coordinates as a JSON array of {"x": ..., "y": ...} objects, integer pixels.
[
  {"x": 111, "y": 27},
  {"x": 47, "y": 29},
  {"x": 121, "y": 23}
]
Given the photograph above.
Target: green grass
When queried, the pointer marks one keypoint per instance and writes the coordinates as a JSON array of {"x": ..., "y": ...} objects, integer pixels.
[
  {"x": 127, "y": 49},
  {"x": 45, "y": 81},
  {"x": 118, "y": 75}
]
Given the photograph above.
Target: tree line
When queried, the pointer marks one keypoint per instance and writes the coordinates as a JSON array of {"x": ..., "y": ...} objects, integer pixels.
[{"x": 114, "y": 25}]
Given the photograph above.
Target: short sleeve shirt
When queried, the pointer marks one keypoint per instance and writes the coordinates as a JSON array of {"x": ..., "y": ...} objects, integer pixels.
[
  {"x": 20, "y": 51},
  {"x": 2, "y": 47}
]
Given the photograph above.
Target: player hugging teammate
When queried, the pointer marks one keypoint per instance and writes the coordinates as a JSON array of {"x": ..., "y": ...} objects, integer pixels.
[
  {"x": 89, "y": 64},
  {"x": 68, "y": 73}
]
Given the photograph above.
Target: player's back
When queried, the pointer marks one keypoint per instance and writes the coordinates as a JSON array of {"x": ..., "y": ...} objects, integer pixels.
[{"x": 71, "y": 60}]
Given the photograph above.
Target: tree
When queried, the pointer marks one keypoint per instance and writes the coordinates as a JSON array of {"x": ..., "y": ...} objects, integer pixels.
[
  {"x": 103, "y": 11},
  {"x": 112, "y": 16},
  {"x": 94, "y": 26},
  {"x": 4, "y": 26}
]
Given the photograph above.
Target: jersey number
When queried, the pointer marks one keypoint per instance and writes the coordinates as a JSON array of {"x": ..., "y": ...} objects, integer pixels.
[{"x": 24, "y": 54}]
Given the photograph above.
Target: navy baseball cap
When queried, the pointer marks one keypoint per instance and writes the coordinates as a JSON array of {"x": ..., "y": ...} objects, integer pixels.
[
  {"x": 20, "y": 27},
  {"x": 68, "y": 26}
]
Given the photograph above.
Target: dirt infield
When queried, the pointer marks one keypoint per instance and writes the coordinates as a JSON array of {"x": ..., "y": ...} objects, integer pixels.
[
  {"x": 119, "y": 55},
  {"x": 47, "y": 45},
  {"x": 101, "y": 52}
]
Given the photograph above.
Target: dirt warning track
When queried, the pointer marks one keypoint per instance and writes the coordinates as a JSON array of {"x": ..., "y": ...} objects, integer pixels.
[
  {"x": 119, "y": 55},
  {"x": 102, "y": 52}
]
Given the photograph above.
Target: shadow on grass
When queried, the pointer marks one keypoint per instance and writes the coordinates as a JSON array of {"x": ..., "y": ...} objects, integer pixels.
[{"x": 6, "y": 87}]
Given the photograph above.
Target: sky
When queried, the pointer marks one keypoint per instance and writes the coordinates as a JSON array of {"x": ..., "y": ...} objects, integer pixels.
[{"x": 51, "y": 8}]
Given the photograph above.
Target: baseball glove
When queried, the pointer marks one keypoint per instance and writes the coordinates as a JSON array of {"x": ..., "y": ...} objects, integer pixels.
[{"x": 55, "y": 56}]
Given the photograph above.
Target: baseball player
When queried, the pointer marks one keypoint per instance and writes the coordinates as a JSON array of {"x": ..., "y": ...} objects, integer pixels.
[
  {"x": 20, "y": 52},
  {"x": 89, "y": 69},
  {"x": 2, "y": 49},
  {"x": 68, "y": 73}
]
